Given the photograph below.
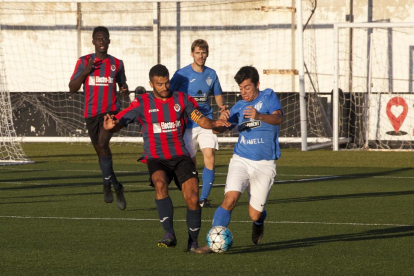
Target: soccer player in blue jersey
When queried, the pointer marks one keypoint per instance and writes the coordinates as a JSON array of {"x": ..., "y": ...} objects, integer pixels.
[
  {"x": 99, "y": 73},
  {"x": 252, "y": 167},
  {"x": 200, "y": 82},
  {"x": 163, "y": 115}
]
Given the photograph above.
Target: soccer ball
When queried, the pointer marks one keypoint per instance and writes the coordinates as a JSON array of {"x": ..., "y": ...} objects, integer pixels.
[{"x": 219, "y": 239}]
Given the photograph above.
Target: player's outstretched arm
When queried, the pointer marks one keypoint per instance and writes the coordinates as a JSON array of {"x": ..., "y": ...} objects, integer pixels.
[
  {"x": 111, "y": 124},
  {"x": 75, "y": 85},
  {"x": 218, "y": 126},
  {"x": 275, "y": 118}
]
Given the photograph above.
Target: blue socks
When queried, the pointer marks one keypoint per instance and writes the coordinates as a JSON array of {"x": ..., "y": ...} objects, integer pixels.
[
  {"x": 221, "y": 217},
  {"x": 166, "y": 213},
  {"x": 261, "y": 219},
  {"x": 208, "y": 179}
]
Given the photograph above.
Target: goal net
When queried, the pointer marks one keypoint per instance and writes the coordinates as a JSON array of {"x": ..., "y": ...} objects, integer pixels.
[
  {"x": 42, "y": 42},
  {"x": 374, "y": 81},
  {"x": 11, "y": 152}
]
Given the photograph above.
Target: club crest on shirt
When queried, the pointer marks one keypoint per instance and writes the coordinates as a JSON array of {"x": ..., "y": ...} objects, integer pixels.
[
  {"x": 113, "y": 67},
  {"x": 258, "y": 106},
  {"x": 177, "y": 107},
  {"x": 209, "y": 81}
]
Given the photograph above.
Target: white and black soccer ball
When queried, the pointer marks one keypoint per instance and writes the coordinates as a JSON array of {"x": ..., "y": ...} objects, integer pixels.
[{"x": 219, "y": 239}]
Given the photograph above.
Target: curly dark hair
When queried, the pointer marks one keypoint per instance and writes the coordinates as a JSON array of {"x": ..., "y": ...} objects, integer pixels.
[
  {"x": 158, "y": 70},
  {"x": 100, "y": 29},
  {"x": 247, "y": 72}
]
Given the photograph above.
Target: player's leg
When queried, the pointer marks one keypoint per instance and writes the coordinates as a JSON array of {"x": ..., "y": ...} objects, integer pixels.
[
  {"x": 208, "y": 144},
  {"x": 106, "y": 164},
  {"x": 236, "y": 183},
  {"x": 160, "y": 177},
  {"x": 261, "y": 183},
  {"x": 191, "y": 143},
  {"x": 92, "y": 124},
  {"x": 222, "y": 216},
  {"x": 187, "y": 175}
]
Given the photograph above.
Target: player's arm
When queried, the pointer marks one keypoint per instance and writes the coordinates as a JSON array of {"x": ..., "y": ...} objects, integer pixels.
[
  {"x": 220, "y": 103},
  {"x": 111, "y": 124},
  {"x": 123, "y": 86},
  {"x": 123, "y": 89},
  {"x": 207, "y": 123},
  {"x": 75, "y": 84},
  {"x": 275, "y": 118}
]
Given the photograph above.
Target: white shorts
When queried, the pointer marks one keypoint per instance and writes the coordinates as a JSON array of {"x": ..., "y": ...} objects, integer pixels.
[
  {"x": 255, "y": 176},
  {"x": 198, "y": 136}
]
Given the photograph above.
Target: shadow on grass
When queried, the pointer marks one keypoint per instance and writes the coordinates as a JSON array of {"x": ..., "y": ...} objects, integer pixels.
[
  {"x": 69, "y": 177},
  {"x": 330, "y": 197},
  {"x": 377, "y": 234},
  {"x": 73, "y": 194},
  {"x": 30, "y": 202},
  {"x": 345, "y": 177}
]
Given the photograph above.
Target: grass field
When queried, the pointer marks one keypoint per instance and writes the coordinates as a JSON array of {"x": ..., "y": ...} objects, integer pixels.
[{"x": 329, "y": 213}]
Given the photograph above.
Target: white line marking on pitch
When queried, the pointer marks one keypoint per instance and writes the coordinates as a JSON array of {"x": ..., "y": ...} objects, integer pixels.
[
  {"x": 182, "y": 220},
  {"x": 217, "y": 173}
]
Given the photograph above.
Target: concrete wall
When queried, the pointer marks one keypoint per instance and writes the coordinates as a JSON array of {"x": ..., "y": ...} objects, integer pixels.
[{"x": 40, "y": 40}]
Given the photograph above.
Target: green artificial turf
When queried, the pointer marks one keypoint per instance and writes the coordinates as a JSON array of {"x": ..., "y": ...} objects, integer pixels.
[{"x": 329, "y": 213}]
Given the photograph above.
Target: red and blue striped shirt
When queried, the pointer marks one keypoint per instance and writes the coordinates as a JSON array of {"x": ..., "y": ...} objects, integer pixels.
[
  {"x": 163, "y": 123},
  {"x": 100, "y": 85}
]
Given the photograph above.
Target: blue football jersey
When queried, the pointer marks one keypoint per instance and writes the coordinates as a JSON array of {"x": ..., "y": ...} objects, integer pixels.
[
  {"x": 198, "y": 85},
  {"x": 257, "y": 139}
]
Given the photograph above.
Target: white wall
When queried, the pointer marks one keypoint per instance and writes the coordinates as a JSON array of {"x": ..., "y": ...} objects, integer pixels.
[{"x": 39, "y": 40}]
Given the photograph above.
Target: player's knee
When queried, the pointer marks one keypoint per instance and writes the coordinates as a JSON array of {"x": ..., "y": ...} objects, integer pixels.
[
  {"x": 191, "y": 199},
  {"x": 192, "y": 202},
  {"x": 161, "y": 189},
  {"x": 255, "y": 216},
  {"x": 229, "y": 203}
]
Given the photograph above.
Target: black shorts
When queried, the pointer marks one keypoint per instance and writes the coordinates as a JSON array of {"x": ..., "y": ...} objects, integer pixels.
[
  {"x": 95, "y": 124},
  {"x": 180, "y": 169}
]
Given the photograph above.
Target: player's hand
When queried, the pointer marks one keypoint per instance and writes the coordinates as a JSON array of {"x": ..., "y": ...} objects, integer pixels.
[
  {"x": 109, "y": 122},
  {"x": 124, "y": 90},
  {"x": 222, "y": 123},
  {"x": 251, "y": 113},
  {"x": 224, "y": 112},
  {"x": 225, "y": 115},
  {"x": 89, "y": 66}
]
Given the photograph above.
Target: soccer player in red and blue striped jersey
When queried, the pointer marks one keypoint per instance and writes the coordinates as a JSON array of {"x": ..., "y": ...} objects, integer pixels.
[
  {"x": 99, "y": 73},
  {"x": 163, "y": 116}
]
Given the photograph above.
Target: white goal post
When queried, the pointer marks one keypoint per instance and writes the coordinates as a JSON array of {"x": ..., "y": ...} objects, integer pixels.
[{"x": 373, "y": 86}]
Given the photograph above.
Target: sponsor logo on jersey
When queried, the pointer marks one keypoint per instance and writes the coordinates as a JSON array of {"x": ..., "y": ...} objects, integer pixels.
[
  {"x": 177, "y": 107},
  {"x": 200, "y": 97},
  {"x": 209, "y": 81},
  {"x": 250, "y": 125},
  {"x": 165, "y": 127},
  {"x": 192, "y": 80},
  {"x": 113, "y": 67},
  {"x": 100, "y": 81},
  {"x": 153, "y": 110},
  {"x": 253, "y": 141}
]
